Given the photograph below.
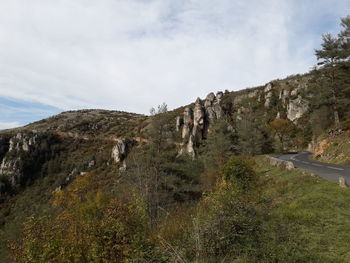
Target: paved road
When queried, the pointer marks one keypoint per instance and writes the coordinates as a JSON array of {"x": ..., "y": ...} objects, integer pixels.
[{"x": 330, "y": 172}]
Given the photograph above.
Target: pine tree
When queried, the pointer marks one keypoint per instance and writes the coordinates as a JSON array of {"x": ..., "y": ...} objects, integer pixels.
[
  {"x": 330, "y": 57},
  {"x": 334, "y": 65},
  {"x": 344, "y": 38}
]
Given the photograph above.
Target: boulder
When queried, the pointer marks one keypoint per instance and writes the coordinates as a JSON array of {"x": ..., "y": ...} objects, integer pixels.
[
  {"x": 281, "y": 163},
  {"x": 342, "y": 182}
]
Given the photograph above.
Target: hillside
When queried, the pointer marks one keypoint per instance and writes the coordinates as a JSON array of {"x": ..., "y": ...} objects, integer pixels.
[
  {"x": 187, "y": 185},
  {"x": 46, "y": 156}
]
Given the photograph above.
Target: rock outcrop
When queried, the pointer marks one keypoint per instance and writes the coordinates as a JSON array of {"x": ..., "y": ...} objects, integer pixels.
[
  {"x": 297, "y": 108},
  {"x": 187, "y": 123},
  {"x": 268, "y": 95},
  {"x": 119, "y": 150},
  {"x": 12, "y": 169},
  {"x": 12, "y": 162},
  {"x": 284, "y": 94},
  {"x": 196, "y": 121},
  {"x": 22, "y": 142}
]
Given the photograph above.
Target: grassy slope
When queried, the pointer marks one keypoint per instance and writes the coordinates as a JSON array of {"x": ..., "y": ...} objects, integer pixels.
[{"x": 309, "y": 211}]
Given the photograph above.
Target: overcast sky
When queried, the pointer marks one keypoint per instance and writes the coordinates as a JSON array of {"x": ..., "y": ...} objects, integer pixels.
[{"x": 130, "y": 55}]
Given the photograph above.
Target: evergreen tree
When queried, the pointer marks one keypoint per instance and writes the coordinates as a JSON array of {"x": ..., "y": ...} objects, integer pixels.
[
  {"x": 344, "y": 37},
  {"x": 333, "y": 76},
  {"x": 250, "y": 136},
  {"x": 219, "y": 145},
  {"x": 330, "y": 57}
]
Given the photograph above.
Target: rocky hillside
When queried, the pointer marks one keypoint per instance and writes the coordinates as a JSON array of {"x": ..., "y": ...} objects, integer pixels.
[
  {"x": 47, "y": 156},
  {"x": 187, "y": 185},
  {"x": 287, "y": 99}
]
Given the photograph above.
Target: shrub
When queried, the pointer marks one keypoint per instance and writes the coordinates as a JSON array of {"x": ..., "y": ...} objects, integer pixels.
[
  {"x": 87, "y": 227},
  {"x": 239, "y": 172}
]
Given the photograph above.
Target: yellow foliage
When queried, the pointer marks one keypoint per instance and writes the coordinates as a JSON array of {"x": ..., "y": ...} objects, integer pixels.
[{"x": 87, "y": 227}]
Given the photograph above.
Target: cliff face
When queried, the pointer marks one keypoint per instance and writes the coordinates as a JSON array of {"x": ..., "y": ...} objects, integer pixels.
[
  {"x": 22, "y": 154},
  {"x": 13, "y": 150}
]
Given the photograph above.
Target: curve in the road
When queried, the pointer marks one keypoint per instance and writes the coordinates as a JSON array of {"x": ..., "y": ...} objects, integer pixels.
[{"x": 330, "y": 172}]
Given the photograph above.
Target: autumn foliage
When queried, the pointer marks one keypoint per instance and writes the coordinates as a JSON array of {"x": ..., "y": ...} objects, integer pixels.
[{"x": 86, "y": 227}]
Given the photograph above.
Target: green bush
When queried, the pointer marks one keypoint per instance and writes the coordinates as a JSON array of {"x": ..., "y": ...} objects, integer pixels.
[{"x": 239, "y": 171}]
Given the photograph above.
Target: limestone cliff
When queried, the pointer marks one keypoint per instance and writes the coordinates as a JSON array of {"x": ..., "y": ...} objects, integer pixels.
[
  {"x": 278, "y": 99},
  {"x": 12, "y": 163}
]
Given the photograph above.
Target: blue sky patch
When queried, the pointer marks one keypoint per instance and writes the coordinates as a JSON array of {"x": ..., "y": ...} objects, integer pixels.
[{"x": 14, "y": 112}]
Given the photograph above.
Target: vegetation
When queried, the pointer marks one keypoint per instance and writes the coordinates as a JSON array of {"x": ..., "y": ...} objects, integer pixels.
[
  {"x": 228, "y": 204},
  {"x": 284, "y": 130},
  {"x": 334, "y": 57}
]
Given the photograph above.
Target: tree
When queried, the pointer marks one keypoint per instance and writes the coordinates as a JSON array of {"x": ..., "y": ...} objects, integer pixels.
[
  {"x": 227, "y": 219},
  {"x": 283, "y": 129},
  {"x": 159, "y": 129},
  {"x": 334, "y": 64},
  {"x": 330, "y": 57},
  {"x": 250, "y": 135},
  {"x": 344, "y": 38},
  {"x": 219, "y": 144},
  {"x": 217, "y": 148},
  {"x": 87, "y": 226}
]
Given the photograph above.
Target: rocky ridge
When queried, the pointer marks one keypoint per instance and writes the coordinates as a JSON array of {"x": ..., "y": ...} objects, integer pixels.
[
  {"x": 278, "y": 99},
  {"x": 283, "y": 98}
]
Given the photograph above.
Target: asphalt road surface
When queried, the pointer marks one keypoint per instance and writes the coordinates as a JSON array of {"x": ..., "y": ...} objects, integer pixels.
[{"x": 330, "y": 172}]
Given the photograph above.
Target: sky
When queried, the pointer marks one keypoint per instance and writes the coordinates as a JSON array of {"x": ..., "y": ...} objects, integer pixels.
[{"x": 131, "y": 55}]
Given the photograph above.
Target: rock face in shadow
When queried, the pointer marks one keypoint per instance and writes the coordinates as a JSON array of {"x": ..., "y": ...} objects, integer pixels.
[{"x": 11, "y": 153}]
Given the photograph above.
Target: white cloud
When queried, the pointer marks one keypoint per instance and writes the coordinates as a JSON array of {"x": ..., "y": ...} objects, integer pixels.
[
  {"x": 8, "y": 125},
  {"x": 133, "y": 54}
]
